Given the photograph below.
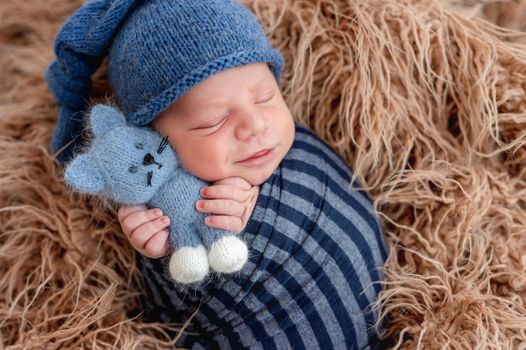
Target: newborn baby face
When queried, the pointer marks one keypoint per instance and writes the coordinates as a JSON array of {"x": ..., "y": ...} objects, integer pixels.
[{"x": 235, "y": 123}]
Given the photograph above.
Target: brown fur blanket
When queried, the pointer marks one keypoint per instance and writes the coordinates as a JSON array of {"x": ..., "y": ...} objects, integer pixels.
[{"x": 428, "y": 106}]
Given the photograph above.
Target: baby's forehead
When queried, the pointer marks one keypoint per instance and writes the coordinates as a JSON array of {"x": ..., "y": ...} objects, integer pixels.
[{"x": 223, "y": 87}]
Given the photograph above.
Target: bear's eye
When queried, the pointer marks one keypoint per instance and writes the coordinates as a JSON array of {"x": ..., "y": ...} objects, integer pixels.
[
  {"x": 139, "y": 145},
  {"x": 133, "y": 169}
]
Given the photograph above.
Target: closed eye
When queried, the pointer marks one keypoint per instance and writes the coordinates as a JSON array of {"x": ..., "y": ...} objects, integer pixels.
[
  {"x": 265, "y": 99},
  {"x": 213, "y": 125}
]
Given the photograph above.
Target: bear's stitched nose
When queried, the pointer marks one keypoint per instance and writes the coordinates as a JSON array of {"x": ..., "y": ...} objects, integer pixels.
[{"x": 149, "y": 159}]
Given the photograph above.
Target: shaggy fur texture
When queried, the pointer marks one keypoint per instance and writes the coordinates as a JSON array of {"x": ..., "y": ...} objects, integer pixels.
[{"x": 427, "y": 106}]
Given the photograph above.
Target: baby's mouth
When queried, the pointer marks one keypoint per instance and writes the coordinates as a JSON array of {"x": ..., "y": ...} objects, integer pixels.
[{"x": 257, "y": 155}]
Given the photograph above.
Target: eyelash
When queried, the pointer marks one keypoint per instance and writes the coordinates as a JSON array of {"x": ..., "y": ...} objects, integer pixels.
[
  {"x": 265, "y": 100},
  {"x": 216, "y": 124},
  {"x": 226, "y": 116}
]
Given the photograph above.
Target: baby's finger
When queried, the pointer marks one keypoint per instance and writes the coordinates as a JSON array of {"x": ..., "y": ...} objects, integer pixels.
[
  {"x": 220, "y": 207},
  {"x": 142, "y": 234},
  {"x": 228, "y": 223},
  {"x": 126, "y": 210},
  {"x": 131, "y": 222},
  {"x": 157, "y": 246},
  {"x": 234, "y": 181},
  {"x": 225, "y": 192}
]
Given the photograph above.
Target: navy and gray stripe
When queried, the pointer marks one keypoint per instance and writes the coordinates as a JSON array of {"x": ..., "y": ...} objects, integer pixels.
[{"x": 316, "y": 247}]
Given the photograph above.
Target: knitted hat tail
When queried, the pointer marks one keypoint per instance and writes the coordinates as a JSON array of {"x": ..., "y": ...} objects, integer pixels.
[{"x": 80, "y": 46}]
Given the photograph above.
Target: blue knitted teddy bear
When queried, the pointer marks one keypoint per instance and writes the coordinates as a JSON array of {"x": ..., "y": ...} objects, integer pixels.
[{"x": 135, "y": 165}]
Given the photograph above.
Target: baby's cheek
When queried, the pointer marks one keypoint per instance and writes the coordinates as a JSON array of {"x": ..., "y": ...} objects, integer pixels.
[
  {"x": 213, "y": 174},
  {"x": 208, "y": 169}
]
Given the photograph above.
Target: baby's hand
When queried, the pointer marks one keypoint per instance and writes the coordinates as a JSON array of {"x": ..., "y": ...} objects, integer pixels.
[
  {"x": 146, "y": 229},
  {"x": 232, "y": 200}
]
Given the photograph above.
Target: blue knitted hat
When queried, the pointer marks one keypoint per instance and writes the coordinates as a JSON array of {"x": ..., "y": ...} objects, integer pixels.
[{"x": 156, "y": 49}]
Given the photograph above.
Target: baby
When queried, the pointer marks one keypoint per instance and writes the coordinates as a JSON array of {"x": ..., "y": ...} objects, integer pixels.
[
  {"x": 236, "y": 144},
  {"x": 203, "y": 74}
]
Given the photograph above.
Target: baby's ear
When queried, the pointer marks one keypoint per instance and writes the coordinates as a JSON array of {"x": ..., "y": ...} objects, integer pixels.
[
  {"x": 83, "y": 175},
  {"x": 104, "y": 118}
]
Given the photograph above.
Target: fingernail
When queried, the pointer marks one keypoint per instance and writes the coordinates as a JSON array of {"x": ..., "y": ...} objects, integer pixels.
[
  {"x": 200, "y": 204},
  {"x": 202, "y": 191},
  {"x": 158, "y": 212},
  {"x": 165, "y": 219},
  {"x": 208, "y": 219}
]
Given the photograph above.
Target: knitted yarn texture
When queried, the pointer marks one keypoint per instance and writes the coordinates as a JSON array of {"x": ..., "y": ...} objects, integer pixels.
[{"x": 135, "y": 165}]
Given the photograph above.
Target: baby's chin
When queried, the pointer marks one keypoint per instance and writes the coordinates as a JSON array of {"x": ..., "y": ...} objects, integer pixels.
[
  {"x": 255, "y": 176},
  {"x": 258, "y": 175},
  {"x": 258, "y": 178}
]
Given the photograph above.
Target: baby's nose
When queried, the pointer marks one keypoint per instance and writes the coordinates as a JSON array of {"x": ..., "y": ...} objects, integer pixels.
[
  {"x": 149, "y": 159},
  {"x": 252, "y": 125}
]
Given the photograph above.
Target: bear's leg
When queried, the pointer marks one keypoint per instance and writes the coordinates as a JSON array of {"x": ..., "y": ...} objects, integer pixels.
[
  {"x": 226, "y": 252},
  {"x": 189, "y": 260}
]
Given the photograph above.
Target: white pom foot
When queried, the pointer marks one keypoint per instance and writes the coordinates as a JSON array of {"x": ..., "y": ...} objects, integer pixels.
[
  {"x": 189, "y": 264},
  {"x": 228, "y": 254}
]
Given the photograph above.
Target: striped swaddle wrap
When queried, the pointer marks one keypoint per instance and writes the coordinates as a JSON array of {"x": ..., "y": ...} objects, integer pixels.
[{"x": 316, "y": 247}]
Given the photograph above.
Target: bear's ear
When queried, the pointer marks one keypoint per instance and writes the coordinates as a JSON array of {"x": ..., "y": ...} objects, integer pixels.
[
  {"x": 83, "y": 175},
  {"x": 104, "y": 118}
]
